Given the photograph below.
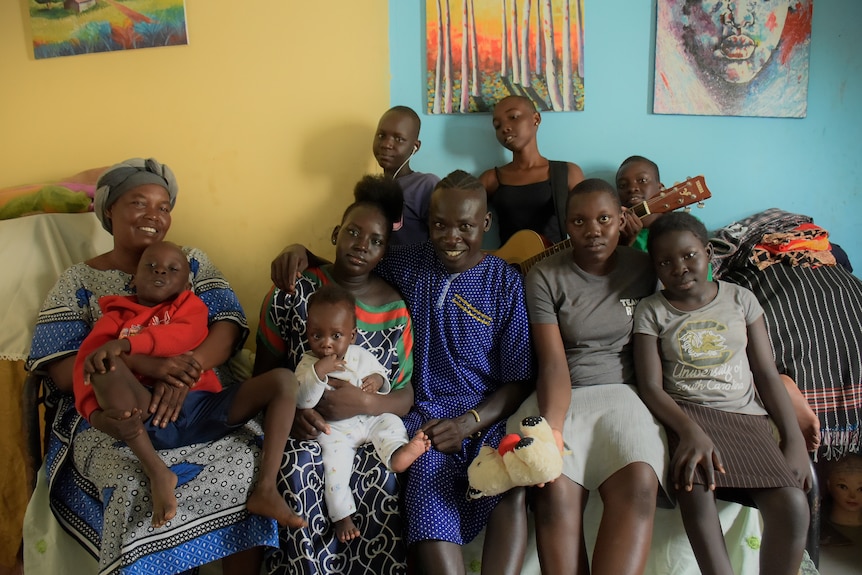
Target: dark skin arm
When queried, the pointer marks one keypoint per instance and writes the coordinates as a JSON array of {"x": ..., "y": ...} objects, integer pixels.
[
  {"x": 289, "y": 265},
  {"x": 489, "y": 181},
  {"x": 116, "y": 423},
  {"x": 174, "y": 376},
  {"x": 554, "y": 384},
  {"x": 307, "y": 423},
  {"x": 777, "y": 402},
  {"x": 347, "y": 400},
  {"x": 695, "y": 447},
  {"x": 447, "y": 435}
]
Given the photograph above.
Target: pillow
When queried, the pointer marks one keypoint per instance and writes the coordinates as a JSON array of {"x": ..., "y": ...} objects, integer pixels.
[{"x": 71, "y": 195}]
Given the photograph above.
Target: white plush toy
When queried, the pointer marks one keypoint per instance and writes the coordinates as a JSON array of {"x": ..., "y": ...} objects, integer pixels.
[{"x": 521, "y": 460}]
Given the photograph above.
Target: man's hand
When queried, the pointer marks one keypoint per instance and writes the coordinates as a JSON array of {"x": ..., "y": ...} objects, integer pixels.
[
  {"x": 446, "y": 435},
  {"x": 632, "y": 225}
]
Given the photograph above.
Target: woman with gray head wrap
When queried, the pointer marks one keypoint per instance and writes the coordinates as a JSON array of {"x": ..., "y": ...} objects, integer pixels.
[
  {"x": 99, "y": 497},
  {"x": 125, "y": 176}
]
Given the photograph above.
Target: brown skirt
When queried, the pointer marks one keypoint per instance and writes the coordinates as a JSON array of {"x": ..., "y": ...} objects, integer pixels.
[{"x": 749, "y": 451}]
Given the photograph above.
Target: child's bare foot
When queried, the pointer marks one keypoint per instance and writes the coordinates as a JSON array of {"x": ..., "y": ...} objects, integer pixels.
[
  {"x": 405, "y": 455},
  {"x": 345, "y": 529},
  {"x": 163, "y": 483},
  {"x": 266, "y": 501}
]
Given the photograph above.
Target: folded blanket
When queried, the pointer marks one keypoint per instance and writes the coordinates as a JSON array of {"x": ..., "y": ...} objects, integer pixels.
[
  {"x": 805, "y": 245},
  {"x": 733, "y": 243}
]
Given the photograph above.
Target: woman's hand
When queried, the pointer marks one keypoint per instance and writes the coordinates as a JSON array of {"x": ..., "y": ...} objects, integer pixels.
[
  {"x": 166, "y": 402},
  {"x": 178, "y": 370},
  {"x": 797, "y": 458},
  {"x": 308, "y": 424},
  {"x": 343, "y": 401},
  {"x": 288, "y": 266},
  {"x": 695, "y": 449},
  {"x": 446, "y": 435}
]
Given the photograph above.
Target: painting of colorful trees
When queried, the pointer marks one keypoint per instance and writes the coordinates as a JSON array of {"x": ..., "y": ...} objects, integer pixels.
[
  {"x": 71, "y": 27},
  {"x": 480, "y": 51}
]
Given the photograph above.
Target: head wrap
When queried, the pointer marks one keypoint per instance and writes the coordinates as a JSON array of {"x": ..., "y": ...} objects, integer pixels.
[{"x": 122, "y": 177}]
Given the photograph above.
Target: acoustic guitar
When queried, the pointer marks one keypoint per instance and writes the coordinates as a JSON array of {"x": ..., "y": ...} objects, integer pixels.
[{"x": 526, "y": 248}]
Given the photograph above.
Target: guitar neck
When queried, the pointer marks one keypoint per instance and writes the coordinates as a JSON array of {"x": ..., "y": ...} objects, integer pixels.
[
  {"x": 556, "y": 248},
  {"x": 691, "y": 191}
]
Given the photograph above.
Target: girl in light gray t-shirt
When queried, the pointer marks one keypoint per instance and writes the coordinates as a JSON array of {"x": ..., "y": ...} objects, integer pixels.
[{"x": 701, "y": 351}]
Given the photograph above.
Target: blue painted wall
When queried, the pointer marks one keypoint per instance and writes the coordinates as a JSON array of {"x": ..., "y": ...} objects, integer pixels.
[{"x": 808, "y": 165}]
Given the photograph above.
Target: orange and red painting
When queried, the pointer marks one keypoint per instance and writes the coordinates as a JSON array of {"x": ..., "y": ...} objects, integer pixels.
[
  {"x": 480, "y": 51},
  {"x": 71, "y": 27}
]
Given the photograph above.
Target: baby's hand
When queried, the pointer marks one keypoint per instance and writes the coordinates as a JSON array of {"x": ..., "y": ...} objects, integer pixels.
[
  {"x": 328, "y": 364},
  {"x": 372, "y": 383},
  {"x": 103, "y": 359}
]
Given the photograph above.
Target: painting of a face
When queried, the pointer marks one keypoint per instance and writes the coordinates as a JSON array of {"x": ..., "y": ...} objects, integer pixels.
[
  {"x": 733, "y": 40},
  {"x": 732, "y": 57}
]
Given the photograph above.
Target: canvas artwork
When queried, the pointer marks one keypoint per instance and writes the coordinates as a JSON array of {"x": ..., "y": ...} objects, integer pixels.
[
  {"x": 71, "y": 27},
  {"x": 480, "y": 51},
  {"x": 732, "y": 57}
]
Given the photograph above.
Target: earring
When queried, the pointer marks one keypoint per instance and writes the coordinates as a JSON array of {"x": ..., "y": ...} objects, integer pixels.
[
  {"x": 333, "y": 240},
  {"x": 537, "y": 123}
]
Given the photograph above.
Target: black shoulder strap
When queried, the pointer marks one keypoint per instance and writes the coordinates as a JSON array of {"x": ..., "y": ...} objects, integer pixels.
[{"x": 560, "y": 188}]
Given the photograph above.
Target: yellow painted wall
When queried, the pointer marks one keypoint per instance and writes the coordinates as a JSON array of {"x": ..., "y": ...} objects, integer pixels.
[{"x": 266, "y": 117}]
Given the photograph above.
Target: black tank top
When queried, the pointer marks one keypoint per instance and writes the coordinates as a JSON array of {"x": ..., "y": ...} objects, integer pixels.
[{"x": 526, "y": 207}]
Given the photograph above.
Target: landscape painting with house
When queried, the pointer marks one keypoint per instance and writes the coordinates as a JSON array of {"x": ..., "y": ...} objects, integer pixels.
[
  {"x": 71, "y": 27},
  {"x": 480, "y": 51}
]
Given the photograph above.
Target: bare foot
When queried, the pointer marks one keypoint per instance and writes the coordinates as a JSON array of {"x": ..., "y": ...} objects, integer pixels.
[
  {"x": 405, "y": 455},
  {"x": 163, "y": 483},
  {"x": 345, "y": 530},
  {"x": 266, "y": 501}
]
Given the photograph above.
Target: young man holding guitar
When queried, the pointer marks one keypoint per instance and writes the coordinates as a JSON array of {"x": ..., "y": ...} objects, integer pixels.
[{"x": 638, "y": 181}]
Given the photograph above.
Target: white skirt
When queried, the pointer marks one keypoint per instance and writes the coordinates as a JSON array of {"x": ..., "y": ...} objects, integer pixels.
[{"x": 607, "y": 427}]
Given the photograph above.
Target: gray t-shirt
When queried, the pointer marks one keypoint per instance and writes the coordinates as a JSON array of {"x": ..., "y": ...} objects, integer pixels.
[
  {"x": 594, "y": 313},
  {"x": 703, "y": 352}
]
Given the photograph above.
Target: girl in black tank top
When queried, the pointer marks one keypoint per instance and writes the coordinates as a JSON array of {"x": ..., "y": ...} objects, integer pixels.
[{"x": 528, "y": 193}]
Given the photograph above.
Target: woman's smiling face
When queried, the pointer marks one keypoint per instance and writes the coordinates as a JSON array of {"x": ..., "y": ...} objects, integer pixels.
[{"x": 141, "y": 216}]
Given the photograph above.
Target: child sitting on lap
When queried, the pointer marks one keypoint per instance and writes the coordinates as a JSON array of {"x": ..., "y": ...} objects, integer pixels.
[
  {"x": 331, "y": 331},
  {"x": 166, "y": 319},
  {"x": 701, "y": 352}
]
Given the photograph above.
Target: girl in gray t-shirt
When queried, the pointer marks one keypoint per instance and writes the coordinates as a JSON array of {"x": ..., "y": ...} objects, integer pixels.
[{"x": 701, "y": 351}]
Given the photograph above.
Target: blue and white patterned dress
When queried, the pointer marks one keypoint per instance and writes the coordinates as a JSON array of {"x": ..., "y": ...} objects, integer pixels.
[
  {"x": 103, "y": 499},
  {"x": 471, "y": 337},
  {"x": 386, "y": 332}
]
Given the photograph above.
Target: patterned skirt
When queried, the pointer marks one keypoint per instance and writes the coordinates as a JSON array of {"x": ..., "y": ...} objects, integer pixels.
[
  {"x": 748, "y": 448},
  {"x": 315, "y": 549}
]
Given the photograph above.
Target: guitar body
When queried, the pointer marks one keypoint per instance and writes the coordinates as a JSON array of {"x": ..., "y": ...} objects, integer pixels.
[
  {"x": 523, "y": 245},
  {"x": 526, "y": 247}
]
